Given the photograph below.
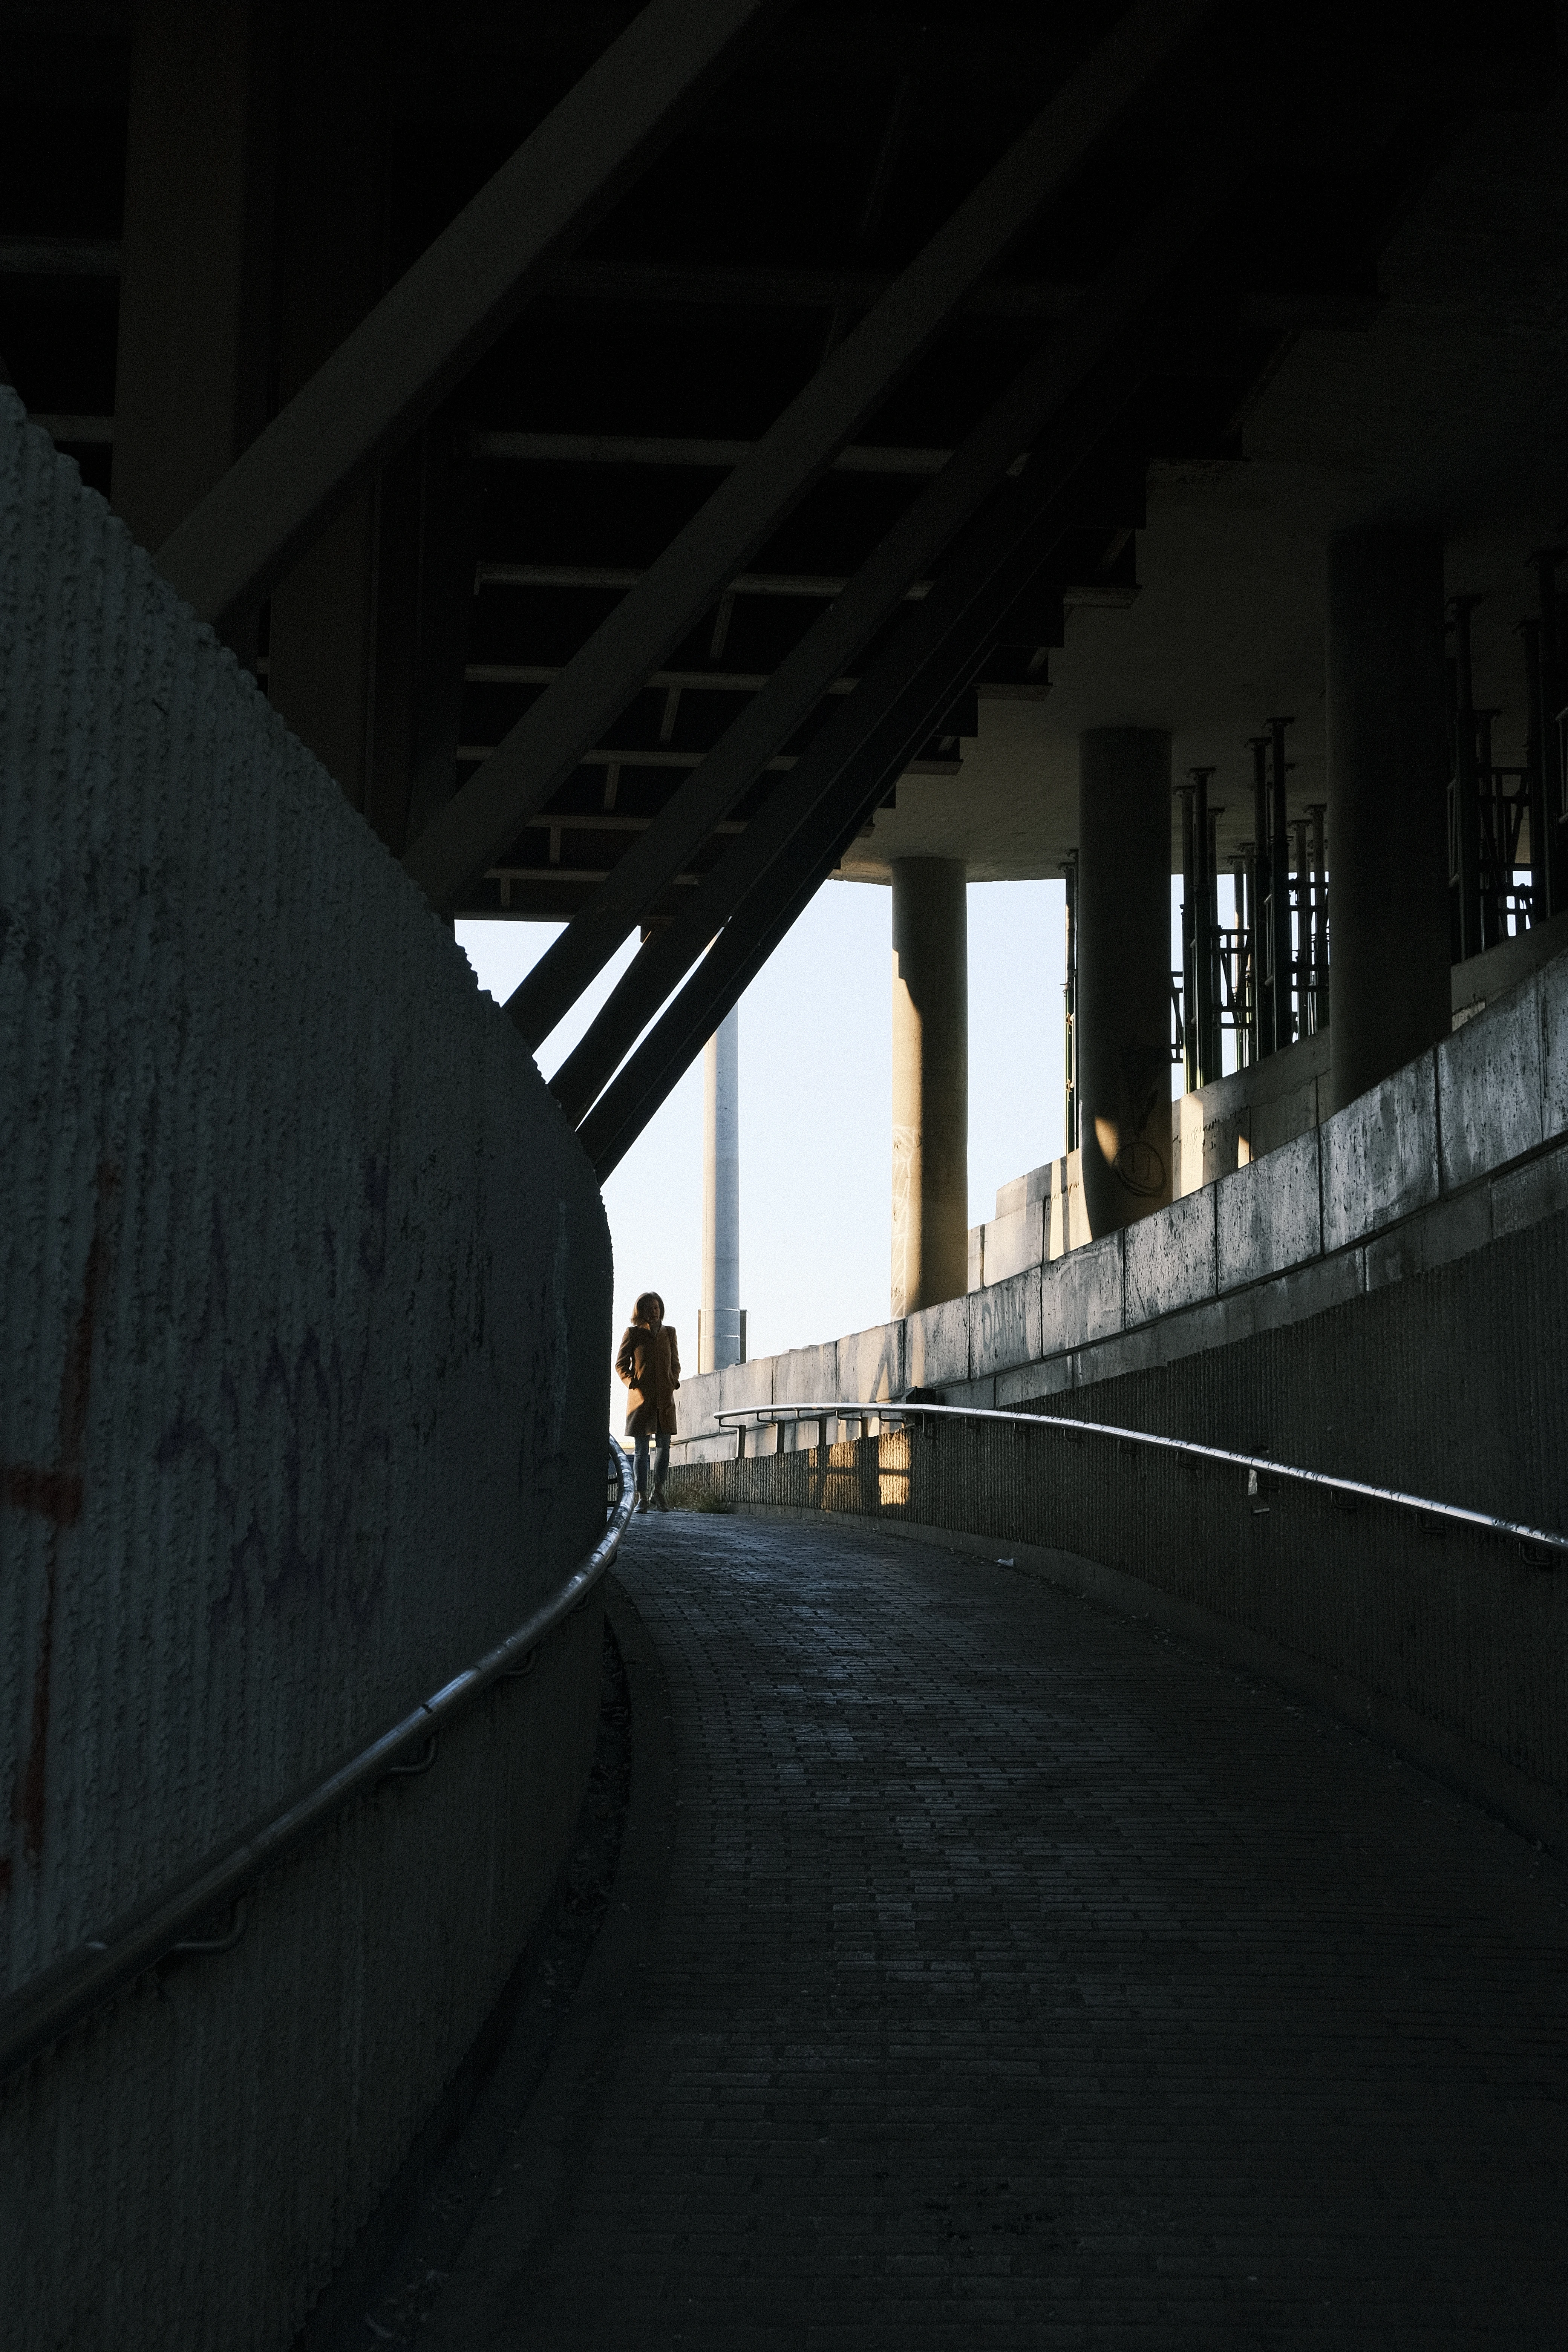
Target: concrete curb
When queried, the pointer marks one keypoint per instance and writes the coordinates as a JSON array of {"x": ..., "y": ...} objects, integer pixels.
[{"x": 1535, "y": 1811}]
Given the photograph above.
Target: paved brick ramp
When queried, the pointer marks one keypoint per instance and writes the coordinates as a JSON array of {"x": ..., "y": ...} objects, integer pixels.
[{"x": 1024, "y": 1978}]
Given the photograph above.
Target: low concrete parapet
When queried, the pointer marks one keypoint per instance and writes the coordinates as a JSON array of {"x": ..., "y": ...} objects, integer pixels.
[
  {"x": 1171, "y": 1260},
  {"x": 1269, "y": 1217},
  {"x": 1466, "y": 1144},
  {"x": 1234, "y": 1121},
  {"x": 937, "y": 1345},
  {"x": 1378, "y": 1159}
]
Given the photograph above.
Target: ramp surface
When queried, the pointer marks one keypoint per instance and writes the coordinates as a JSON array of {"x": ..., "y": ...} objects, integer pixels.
[{"x": 1025, "y": 1979}]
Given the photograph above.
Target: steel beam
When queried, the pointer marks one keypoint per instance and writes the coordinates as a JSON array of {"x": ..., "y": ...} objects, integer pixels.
[
  {"x": 840, "y": 779},
  {"x": 808, "y": 671},
  {"x": 618, "y": 1117},
  {"x": 970, "y": 603},
  {"x": 679, "y": 450},
  {"x": 495, "y": 572},
  {"x": 1349, "y": 310},
  {"x": 791, "y": 847},
  {"x": 548, "y": 743},
  {"x": 423, "y": 336}
]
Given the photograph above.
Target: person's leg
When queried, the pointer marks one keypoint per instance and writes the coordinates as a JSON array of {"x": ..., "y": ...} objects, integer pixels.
[
  {"x": 661, "y": 1469},
  {"x": 640, "y": 1468}
]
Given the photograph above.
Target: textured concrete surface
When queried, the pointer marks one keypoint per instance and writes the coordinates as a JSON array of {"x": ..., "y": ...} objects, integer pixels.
[
  {"x": 871, "y": 1363},
  {"x": 1170, "y": 1259},
  {"x": 1081, "y": 1295},
  {"x": 1023, "y": 1979},
  {"x": 807, "y": 1373},
  {"x": 1490, "y": 1089},
  {"x": 1268, "y": 1216},
  {"x": 936, "y": 1345},
  {"x": 303, "y": 1315},
  {"x": 1378, "y": 1157},
  {"x": 1059, "y": 1188},
  {"x": 1004, "y": 1324},
  {"x": 1013, "y": 1242}
]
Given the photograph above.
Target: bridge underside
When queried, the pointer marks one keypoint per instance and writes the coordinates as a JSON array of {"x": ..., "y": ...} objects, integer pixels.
[{"x": 1350, "y": 315}]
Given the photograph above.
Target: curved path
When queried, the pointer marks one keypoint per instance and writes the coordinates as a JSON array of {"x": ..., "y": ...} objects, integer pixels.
[{"x": 1024, "y": 1978}]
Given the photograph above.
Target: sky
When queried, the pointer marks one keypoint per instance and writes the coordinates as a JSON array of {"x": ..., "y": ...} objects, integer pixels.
[{"x": 816, "y": 1106}]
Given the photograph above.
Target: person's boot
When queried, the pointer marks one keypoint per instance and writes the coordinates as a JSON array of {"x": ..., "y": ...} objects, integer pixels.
[
  {"x": 660, "y": 1497},
  {"x": 642, "y": 1502}
]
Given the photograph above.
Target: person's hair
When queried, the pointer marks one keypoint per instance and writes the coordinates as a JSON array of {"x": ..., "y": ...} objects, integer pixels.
[{"x": 645, "y": 1303}]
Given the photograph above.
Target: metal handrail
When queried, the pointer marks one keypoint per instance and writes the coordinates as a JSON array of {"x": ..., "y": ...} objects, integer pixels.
[
  {"x": 1256, "y": 1465},
  {"x": 60, "y": 1996}
]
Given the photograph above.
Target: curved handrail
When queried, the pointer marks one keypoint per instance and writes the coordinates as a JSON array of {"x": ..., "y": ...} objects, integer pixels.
[
  {"x": 60, "y": 1996},
  {"x": 1256, "y": 1465}
]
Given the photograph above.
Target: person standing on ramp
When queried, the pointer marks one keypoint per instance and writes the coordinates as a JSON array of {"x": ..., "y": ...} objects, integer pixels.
[{"x": 648, "y": 1362}]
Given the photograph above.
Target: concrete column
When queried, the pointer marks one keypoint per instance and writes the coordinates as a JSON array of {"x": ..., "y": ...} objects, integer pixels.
[
  {"x": 1387, "y": 761},
  {"x": 721, "y": 1338},
  {"x": 331, "y": 226},
  {"x": 931, "y": 1082},
  {"x": 1124, "y": 973},
  {"x": 196, "y": 267}
]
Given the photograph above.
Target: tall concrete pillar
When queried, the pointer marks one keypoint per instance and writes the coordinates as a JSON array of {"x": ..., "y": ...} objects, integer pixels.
[
  {"x": 931, "y": 1082},
  {"x": 331, "y": 233},
  {"x": 1389, "y": 991},
  {"x": 720, "y": 1338},
  {"x": 195, "y": 265},
  {"x": 1124, "y": 973}
]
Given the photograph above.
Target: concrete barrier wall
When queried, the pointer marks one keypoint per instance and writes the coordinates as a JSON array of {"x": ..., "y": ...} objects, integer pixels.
[
  {"x": 1466, "y": 1146},
  {"x": 304, "y": 1309},
  {"x": 1214, "y": 1130},
  {"x": 1229, "y": 1123},
  {"x": 1448, "y": 1383}
]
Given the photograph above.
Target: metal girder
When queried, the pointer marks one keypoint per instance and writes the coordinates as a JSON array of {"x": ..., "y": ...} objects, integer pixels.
[
  {"x": 620, "y": 1115},
  {"x": 806, "y": 673},
  {"x": 683, "y": 450},
  {"x": 1287, "y": 310},
  {"x": 423, "y": 336},
  {"x": 547, "y": 743},
  {"x": 799, "y": 832},
  {"x": 798, "y": 837},
  {"x": 689, "y": 681},
  {"x": 494, "y": 572},
  {"x": 721, "y": 285},
  {"x": 1350, "y": 310},
  {"x": 739, "y": 953}
]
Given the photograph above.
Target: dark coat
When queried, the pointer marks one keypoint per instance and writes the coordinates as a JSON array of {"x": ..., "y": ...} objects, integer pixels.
[{"x": 649, "y": 1363}]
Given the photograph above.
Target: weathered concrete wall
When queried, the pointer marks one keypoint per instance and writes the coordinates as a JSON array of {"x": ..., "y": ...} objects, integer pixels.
[
  {"x": 1214, "y": 1130},
  {"x": 1465, "y": 1146},
  {"x": 304, "y": 1309}
]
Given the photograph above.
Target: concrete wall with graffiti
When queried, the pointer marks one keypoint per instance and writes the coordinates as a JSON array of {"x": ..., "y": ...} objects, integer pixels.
[{"x": 304, "y": 1311}]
